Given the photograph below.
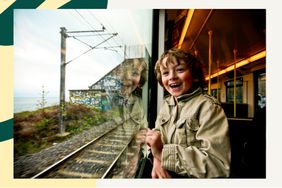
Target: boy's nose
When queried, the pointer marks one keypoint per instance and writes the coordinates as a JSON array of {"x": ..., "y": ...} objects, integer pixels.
[
  {"x": 126, "y": 75},
  {"x": 172, "y": 75}
]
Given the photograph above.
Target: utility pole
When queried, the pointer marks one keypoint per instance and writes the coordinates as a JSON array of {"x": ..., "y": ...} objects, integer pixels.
[
  {"x": 64, "y": 36},
  {"x": 62, "y": 82}
]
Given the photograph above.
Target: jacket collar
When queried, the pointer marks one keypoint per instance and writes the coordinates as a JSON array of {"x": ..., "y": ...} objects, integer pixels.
[{"x": 172, "y": 101}]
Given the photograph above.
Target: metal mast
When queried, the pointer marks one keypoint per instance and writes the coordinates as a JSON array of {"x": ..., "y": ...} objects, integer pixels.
[{"x": 64, "y": 36}]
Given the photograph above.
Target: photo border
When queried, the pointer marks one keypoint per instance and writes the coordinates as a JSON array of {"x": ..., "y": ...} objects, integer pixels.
[{"x": 274, "y": 31}]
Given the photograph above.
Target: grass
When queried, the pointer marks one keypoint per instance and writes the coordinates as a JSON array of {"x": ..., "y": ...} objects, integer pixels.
[{"x": 36, "y": 130}]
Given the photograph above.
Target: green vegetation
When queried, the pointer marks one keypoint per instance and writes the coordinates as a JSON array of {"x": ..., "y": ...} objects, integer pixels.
[
  {"x": 34, "y": 131},
  {"x": 42, "y": 102}
]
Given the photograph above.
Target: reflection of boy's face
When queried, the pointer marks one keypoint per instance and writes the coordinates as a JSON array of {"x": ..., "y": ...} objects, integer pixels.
[
  {"x": 130, "y": 79},
  {"x": 176, "y": 79}
]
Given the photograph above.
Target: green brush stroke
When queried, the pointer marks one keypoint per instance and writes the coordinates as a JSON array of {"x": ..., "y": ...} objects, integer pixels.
[
  {"x": 6, "y": 20},
  {"x": 86, "y": 4},
  {"x": 6, "y": 130}
]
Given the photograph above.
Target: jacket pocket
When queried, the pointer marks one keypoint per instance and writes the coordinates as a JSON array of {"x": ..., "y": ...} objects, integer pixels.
[
  {"x": 192, "y": 127},
  {"x": 162, "y": 119},
  {"x": 180, "y": 133}
]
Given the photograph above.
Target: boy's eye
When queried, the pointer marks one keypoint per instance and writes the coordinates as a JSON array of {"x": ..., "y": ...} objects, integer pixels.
[
  {"x": 180, "y": 69},
  {"x": 135, "y": 73},
  {"x": 164, "y": 73}
]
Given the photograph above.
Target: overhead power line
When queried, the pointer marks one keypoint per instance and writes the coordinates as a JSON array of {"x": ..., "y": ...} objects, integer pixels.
[
  {"x": 64, "y": 36},
  {"x": 91, "y": 47}
]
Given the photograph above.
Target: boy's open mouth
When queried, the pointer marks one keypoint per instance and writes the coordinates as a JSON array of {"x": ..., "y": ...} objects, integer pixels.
[{"x": 174, "y": 85}]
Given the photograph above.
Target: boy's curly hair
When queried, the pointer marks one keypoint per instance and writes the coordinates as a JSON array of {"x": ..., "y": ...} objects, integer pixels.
[{"x": 196, "y": 67}]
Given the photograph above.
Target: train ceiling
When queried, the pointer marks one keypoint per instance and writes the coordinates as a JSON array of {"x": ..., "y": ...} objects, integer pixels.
[{"x": 240, "y": 29}]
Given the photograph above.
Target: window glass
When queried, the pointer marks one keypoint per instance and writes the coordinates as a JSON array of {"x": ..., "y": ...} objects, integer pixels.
[
  {"x": 104, "y": 55},
  {"x": 121, "y": 93},
  {"x": 261, "y": 90},
  {"x": 216, "y": 93},
  {"x": 230, "y": 91}
]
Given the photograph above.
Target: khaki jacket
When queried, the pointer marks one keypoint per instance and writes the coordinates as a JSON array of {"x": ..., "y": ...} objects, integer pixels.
[
  {"x": 134, "y": 112},
  {"x": 194, "y": 132}
]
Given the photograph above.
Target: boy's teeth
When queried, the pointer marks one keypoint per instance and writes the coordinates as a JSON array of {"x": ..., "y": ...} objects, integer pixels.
[{"x": 174, "y": 85}]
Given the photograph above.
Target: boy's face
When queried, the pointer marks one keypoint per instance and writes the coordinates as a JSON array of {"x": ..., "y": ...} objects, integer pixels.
[
  {"x": 176, "y": 79},
  {"x": 130, "y": 79}
]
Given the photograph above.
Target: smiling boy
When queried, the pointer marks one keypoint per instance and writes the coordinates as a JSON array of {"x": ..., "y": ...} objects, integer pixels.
[{"x": 191, "y": 135}]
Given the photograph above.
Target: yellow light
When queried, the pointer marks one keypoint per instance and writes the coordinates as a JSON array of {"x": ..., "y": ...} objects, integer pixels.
[
  {"x": 239, "y": 64},
  {"x": 185, "y": 27}
]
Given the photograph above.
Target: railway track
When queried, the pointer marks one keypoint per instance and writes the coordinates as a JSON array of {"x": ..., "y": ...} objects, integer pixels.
[{"x": 96, "y": 159}]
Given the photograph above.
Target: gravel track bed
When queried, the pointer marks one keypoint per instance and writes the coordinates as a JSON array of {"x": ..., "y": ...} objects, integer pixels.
[{"x": 29, "y": 165}]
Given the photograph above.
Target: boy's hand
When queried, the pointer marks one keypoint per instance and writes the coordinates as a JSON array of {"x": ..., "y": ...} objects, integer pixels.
[{"x": 154, "y": 141}]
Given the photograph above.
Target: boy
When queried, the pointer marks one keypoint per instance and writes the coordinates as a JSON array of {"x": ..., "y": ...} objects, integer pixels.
[{"x": 191, "y": 136}]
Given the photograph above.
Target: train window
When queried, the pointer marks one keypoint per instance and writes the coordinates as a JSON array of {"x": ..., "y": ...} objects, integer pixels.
[
  {"x": 122, "y": 94},
  {"x": 261, "y": 90},
  {"x": 230, "y": 91},
  {"x": 103, "y": 117},
  {"x": 216, "y": 93}
]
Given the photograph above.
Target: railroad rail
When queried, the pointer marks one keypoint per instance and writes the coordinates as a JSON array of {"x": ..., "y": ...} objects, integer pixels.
[{"x": 95, "y": 159}]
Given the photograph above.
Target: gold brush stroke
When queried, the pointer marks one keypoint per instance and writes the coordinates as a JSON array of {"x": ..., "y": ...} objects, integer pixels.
[
  {"x": 4, "y": 4},
  {"x": 6, "y": 83},
  {"x": 52, "y": 4}
]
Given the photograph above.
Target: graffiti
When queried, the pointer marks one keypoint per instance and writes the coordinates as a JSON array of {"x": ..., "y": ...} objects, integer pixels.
[
  {"x": 94, "y": 98},
  {"x": 107, "y": 83},
  {"x": 114, "y": 88}
]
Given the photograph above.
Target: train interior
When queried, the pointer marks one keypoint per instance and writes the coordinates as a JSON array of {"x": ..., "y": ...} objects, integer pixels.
[{"x": 232, "y": 44}]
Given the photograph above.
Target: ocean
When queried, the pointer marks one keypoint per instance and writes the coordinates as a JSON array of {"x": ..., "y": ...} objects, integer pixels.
[{"x": 31, "y": 103}]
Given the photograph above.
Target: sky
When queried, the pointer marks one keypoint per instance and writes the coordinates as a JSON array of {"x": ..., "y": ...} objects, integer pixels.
[{"x": 37, "y": 42}]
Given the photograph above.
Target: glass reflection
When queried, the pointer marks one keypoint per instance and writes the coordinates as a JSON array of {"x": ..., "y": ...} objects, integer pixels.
[
  {"x": 132, "y": 80},
  {"x": 133, "y": 77}
]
